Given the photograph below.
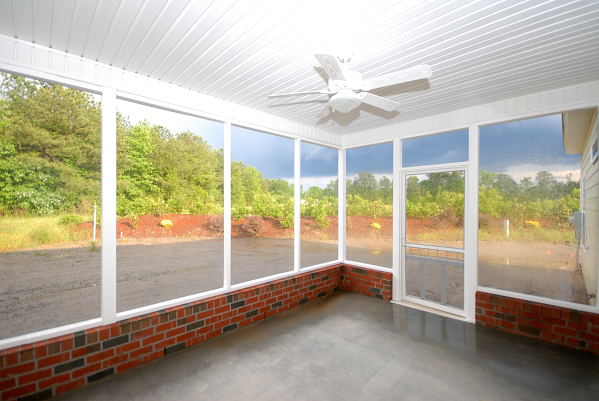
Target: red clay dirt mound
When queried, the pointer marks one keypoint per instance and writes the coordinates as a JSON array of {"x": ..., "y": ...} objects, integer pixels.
[{"x": 205, "y": 226}]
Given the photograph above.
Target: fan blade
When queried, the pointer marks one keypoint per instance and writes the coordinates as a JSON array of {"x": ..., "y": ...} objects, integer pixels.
[
  {"x": 322, "y": 92},
  {"x": 379, "y": 102},
  {"x": 398, "y": 77},
  {"x": 324, "y": 112},
  {"x": 332, "y": 66}
]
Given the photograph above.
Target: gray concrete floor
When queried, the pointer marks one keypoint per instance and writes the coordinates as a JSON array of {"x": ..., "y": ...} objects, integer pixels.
[{"x": 352, "y": 347}]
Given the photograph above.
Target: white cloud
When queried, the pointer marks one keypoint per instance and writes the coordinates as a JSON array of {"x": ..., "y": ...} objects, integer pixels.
[
  {"x": 320, "y": 153},
  {"x": 559, "y": 171},
  {"x": 378, "y": 176},
  {"x": 323, "y": 181},
  {"x": 320, "y": 182}
]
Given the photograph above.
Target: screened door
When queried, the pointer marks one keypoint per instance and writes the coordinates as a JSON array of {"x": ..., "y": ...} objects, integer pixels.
[{"x": 432, "y": 241}]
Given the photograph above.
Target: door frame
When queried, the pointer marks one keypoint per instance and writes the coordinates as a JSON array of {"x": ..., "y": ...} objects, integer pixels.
[{"x": 469, "y": 267}]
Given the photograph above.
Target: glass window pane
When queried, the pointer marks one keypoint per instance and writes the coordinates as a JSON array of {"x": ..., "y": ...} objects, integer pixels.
[
  {"x": 319, "y": 229},
  {"x": 369, "y": 188},
  {"x": 529, "y": 188},
  {"x": 435, "y": 209},
  {"x": 49, "y": 193},
  {"x": 169, "y": 205},
  {"x": 450, "y": 147},
  {"x": 262, "y": 205}
]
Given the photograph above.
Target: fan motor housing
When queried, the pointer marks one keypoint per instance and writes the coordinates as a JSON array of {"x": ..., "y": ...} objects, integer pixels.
[{"x": 345, "y": 101}]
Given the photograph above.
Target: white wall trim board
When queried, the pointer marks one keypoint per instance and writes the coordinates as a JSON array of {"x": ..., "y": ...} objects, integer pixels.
[
  {"x": 539, "y": 299},
  {"x": 108, "y": 205},
  {"x": 41, "y": 62},
  {"x": 549, "y": 102}
]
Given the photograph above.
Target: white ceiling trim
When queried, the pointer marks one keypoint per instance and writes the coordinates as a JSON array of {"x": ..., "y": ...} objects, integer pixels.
[
  {"x": 480, "y": 51},
  {"x": 42, "y": 62},
  {"x": 536, "y": 104}
]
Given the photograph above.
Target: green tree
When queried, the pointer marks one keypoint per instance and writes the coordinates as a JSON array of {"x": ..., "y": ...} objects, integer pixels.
[{"x": 55, "y": 135}]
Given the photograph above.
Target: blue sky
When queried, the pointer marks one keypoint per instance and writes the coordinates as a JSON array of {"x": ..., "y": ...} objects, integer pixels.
[
  {"x": 522, "y": 148},
  {"x": 376, "y": 159},
  {"x": 448, "y": 147},
  {"x": 211, "y": 131},
  {"x": 519, "y": 148},
  {"x": 271, "y": 154}
]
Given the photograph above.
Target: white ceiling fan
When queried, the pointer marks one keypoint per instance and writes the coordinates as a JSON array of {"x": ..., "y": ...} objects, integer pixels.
[{"x": 347, "y": 90}]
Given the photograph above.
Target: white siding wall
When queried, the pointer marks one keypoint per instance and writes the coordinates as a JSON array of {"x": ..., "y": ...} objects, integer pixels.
[{"x": 589, "y": 252}]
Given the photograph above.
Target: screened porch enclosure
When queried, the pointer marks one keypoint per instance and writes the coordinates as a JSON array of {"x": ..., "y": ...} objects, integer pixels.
[
  {"x": 173, "y": 172},
  {"x": 181, "y": 232}
]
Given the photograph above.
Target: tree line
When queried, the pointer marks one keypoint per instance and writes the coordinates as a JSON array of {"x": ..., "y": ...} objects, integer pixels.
[{"x": 50, "y": 163}]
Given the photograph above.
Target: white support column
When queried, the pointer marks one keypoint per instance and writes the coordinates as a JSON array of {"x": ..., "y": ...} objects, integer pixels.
[
  {"x": 108, "y": 178},
  {"x": 396, "y": 219},
  {"x": 471, "y": 226},
  {"x": 227, "y": 206},
  {"x": 297, "y": 196},
  {"x": 341, "y": 213}
]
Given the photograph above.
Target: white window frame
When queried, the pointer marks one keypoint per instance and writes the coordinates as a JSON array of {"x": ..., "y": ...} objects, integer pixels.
[
  {"x": 340, "y": 205},
  {"x": 109, "y": 314},
  {"x": 344, "y": 194},
  {"x": 469, "y": 268},
  {"x": 108, "y": 301}
]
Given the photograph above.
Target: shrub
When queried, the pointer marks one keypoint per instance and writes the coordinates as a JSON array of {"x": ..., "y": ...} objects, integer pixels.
[
  {"x": 215, "y": 224},
  {"x": 287, "y": 221},
  {"x": 532, "y": 223},
  {"x": 133, "y": 220},
  {"x": 70, "y": 219},
  {"x": 252, "y": 226},
  {"x": 238, "y": 213},
  {"x": 322, "y": 221},
  {"x": 484, "y": 221},
  {"x": 166, "y": 223},
  {"x": 42, "y": 236}
]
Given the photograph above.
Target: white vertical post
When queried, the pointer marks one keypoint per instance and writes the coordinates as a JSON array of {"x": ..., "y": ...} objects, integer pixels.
[
  {"x": 94, "y": 225},
  {"x": 397, "y": 210},
  {"x": 471, "y": 226},
  {"x": 108, "y": 291},
  {"x": 297, "y": 196},
  {"x": 227, "y": 206},
  {"x": 341, "y": 212}
]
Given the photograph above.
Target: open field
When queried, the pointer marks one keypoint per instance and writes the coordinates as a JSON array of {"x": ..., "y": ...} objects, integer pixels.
[
  {"x": 51, "y": 287},
  {"x": 46, "y": 288},
  {"x": 53, "y": 231},
  {"x": 38, "y": 231},
  {"x": 55, "y": 279}
]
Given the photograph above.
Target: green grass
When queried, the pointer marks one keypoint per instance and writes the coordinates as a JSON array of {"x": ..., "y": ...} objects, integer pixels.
[
  {"x": 543, "y": 234},
  {"x": 31, "y": 232},
  {"x": 35, "y": 231}
]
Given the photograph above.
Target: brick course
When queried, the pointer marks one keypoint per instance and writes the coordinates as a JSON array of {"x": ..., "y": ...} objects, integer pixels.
[
  {"x": 554, "y": 324},
  {"x": 369, "y": 282},
  {"x": 50, "y": 367}
]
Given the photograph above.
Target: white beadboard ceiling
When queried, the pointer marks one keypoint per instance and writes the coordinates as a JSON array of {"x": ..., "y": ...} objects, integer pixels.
[{"x": 480, "y": 51}]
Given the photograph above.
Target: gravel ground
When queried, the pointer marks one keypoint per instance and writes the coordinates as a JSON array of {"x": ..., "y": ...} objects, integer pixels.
[{"x": 46, "y": 288}]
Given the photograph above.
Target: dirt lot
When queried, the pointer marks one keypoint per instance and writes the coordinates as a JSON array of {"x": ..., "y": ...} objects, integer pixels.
[
  {"x": 51, "y": 287},
  {"x": 59, "y": 285}
]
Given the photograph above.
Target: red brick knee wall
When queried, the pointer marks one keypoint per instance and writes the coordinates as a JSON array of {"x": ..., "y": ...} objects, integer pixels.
[
  {"x": 554, "y": 324},
  {"x": 45, "y": 368},
  {"x": 369, "y": 282}
]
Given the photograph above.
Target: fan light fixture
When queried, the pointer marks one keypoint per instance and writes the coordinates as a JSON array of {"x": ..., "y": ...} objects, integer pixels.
[
  {"x": 347, "y": 90},
  {"x": 345, "y": 101}
]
